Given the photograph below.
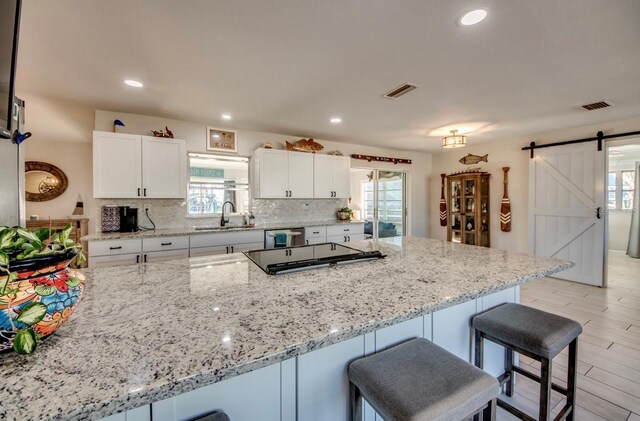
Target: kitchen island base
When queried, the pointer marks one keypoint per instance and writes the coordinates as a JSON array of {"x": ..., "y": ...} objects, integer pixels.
[{"x": 313, "y": 386}]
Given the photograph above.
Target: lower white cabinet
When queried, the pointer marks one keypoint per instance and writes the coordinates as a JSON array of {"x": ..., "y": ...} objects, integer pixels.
[
  {"x": 452, "y": 328},
  {"x": 323, "y": 385},
  {"x": 116, "y": 260},
  {"x": 162, "y": 256},
  {"x": 345, "y": 238},
  {"x": 226, "y": 242},
  {"x": 248, "y": 397},
  {"x": 133, "y": 251}
]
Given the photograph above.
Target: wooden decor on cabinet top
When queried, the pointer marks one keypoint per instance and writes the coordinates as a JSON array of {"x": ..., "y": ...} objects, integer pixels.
[
  {"x": 468, "y": 208},
  {"x": 79, "y": 230}
]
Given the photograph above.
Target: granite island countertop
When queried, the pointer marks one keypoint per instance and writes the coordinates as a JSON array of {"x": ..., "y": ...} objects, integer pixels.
[
  {"x": 169, "y": 232},
  {"x": 148, "y": 332}
]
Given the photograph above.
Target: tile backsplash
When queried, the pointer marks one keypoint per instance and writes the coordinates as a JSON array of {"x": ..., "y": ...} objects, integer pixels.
[{"x": 172, "y": 213}]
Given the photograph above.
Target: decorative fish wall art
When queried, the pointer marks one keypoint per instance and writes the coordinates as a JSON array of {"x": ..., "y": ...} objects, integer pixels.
[
  {"x": 505, "y": 206},
  {"x": 473, "y": 159},
  {"x": 304, "y": 145},
  {"x": 443, "y": 204}
]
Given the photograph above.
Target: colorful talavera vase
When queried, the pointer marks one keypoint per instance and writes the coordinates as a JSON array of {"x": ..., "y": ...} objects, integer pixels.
[{"x": 47, "y": 280}]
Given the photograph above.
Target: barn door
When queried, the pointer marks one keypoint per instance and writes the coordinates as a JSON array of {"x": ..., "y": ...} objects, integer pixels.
[{"x": 567, "y": 209}]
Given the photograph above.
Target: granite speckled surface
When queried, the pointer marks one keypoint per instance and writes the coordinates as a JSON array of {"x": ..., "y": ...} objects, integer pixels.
[
  {"x": 168, "y": 232},
  {"x": 145, "y": 333}
]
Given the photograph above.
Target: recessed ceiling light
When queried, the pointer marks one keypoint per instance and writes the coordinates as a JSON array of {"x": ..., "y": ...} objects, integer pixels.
[
  {"x": 133, "y": 83},
  {"x": 226, "y": 116},
  {"x": 336, "y": 120},
  {"x": 473, "y": 17}
]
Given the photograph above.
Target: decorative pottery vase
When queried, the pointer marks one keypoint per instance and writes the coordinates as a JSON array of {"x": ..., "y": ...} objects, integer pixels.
[
  {"x": 47, "y": 280},
  {"x": 344, "y": 216}
]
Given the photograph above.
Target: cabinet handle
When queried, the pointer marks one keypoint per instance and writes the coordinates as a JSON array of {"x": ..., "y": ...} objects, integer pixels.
[
  {"x": 115, "y": 248},
  {"x": 307, "y": 242},
  {"x": 138, "y": 191},
  {"x": 145, "y": 258},
  {"x": 165, "y": 244},
  {"x": 290, "y": 193},
  {"x": 137, "y": 258},
  {"x": 227, "y": 249},
  {"x": 346, "y": 229},
  {"x": 349, "y": 237},
  {"x": 232, "y": 251},
  {"x": 316, "y": 232},
  {"x": 144, "y": 192},
  {"x": 286, "y": 193}
]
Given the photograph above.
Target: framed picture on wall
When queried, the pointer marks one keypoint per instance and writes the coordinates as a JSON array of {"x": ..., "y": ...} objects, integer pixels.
[{"x": 221, "y": 140}]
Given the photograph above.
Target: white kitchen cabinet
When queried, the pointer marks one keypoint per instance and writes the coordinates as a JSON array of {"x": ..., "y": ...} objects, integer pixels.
[
  {"x": 163, "y": 256},
  {"x": 300, "y": 175},
  {"x": 323, "y": 385},
  {"x": 248, "y": 397},
  {"x": 452, "y": 328},
  {"x": 282, "y": 174},
  {"x": 116, "y": 260},
  {"x": 226, "y": 242},
  {"x": 315, "y": 240},
  {"x": 127, "y": 166},
  {"x": 117, "y": 165},
  {"x": 164, "y": 168},
  {"x": 331, "y": 176},
  {"x": 345, "y": 238},
  {"x": 176, "y": 242}
]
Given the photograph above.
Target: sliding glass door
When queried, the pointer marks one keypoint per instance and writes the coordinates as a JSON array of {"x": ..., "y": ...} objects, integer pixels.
[{"x": 380, "y": 197}]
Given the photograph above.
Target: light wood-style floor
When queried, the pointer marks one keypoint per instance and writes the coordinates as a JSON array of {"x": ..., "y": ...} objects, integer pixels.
[{"x": 608, "y": 349}]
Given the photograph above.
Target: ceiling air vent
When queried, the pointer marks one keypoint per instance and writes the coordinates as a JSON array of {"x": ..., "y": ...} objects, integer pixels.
[
  {"x": 405, "y": 88},
  {"x": 596, "y": 105}
]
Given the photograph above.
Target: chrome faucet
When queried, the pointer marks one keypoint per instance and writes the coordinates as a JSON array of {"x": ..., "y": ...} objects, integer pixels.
[{"x": 224, "y": 220}]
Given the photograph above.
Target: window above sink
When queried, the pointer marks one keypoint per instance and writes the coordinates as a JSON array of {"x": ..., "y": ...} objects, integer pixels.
[{"x": 215, "y": 179}]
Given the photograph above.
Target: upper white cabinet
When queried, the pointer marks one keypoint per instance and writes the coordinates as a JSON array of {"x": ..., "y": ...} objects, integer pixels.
[
  {"x": 282, "y": 174},
  {"x": 127, "y": 166},
  {"x": 117, "y": 165},
  {"x": 331, "y": 176},
  {"x": 164, "y": 168}
]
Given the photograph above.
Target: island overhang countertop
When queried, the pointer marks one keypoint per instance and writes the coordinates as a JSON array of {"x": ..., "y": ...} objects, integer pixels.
[{"x": 148, "y": 332}]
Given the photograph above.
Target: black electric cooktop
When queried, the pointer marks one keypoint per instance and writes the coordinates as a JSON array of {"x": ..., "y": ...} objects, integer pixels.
[{"x": 292, "y": 259}]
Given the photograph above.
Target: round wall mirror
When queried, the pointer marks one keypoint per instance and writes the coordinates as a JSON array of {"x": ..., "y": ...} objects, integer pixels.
[{"x": 43, "y": 181}]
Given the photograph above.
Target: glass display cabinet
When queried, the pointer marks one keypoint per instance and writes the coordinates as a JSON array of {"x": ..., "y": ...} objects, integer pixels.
[{"x": 468, "y": 208}]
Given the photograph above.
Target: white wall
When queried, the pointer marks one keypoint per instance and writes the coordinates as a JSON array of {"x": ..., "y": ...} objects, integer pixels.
[
  {"x": 507, "y": 153},
  {"x": 248, "y": 141},
  {"x": 62, "y": 135}
]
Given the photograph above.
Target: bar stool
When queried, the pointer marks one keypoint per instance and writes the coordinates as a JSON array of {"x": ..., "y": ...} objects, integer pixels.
[
  {"x": 419, "y": 381},
  {"x": 538, "y": 335}
]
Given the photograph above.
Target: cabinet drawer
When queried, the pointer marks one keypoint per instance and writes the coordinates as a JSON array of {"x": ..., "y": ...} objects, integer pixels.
[
  {"x": 161, "y": 256},
  {"x": 226, "y": 238},
  {"x": 316, "y": 240},
  {"x": 116, "y": 260},
  {"x": 114, "y": 247},
  {"x": 165, "y": 243},
  {"x": 226, "y": 249},
  {"x": 347, "y": 229},
  {"x": 315, "y": 232}
]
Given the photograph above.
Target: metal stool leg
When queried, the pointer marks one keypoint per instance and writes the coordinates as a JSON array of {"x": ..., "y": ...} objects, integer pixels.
[
  {"x": 508, "y": 369},
  {"x": 545, "y": 390},
  {"x": 355, "y": 402},
  {"x": 479, "y": 354},
  {"x": 489, "y": 413},
  {"x": 571, "y": 378}
]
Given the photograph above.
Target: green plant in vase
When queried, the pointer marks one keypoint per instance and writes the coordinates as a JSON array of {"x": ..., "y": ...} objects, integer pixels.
[
  {"x": 38, "y": 291},
  {"x": 345, "y": 214}
]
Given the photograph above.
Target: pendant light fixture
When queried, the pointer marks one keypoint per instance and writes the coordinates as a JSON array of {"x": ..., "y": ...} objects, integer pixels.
[{"x": 454, "y": 140}]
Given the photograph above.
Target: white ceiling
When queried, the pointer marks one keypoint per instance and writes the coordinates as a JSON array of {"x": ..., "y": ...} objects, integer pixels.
[{"x": 287, "y": 66}]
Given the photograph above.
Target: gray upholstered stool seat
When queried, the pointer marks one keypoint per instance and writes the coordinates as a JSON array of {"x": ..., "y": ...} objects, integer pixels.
[
  {"x": 530, "y": 329},
  {"x": 538, "y": 335},
  {"x": 418, "y": 380}
]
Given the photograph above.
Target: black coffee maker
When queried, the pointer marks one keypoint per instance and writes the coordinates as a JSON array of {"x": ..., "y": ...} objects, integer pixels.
[{"x": 128, "y": 219}]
